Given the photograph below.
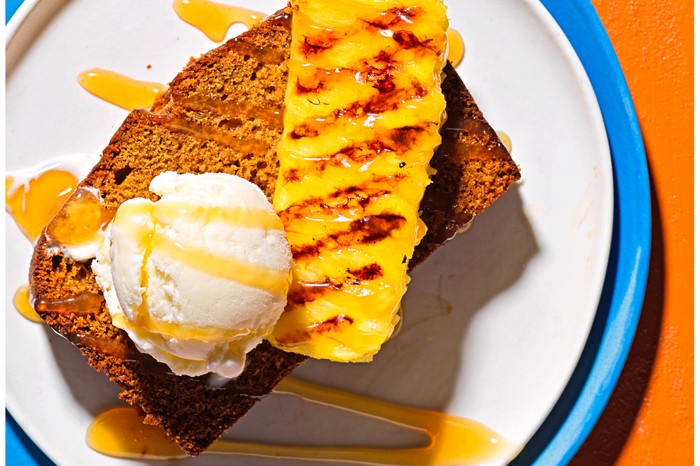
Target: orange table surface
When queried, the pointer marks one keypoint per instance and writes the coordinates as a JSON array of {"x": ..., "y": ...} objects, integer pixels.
[{"x": 649, "y": 419}]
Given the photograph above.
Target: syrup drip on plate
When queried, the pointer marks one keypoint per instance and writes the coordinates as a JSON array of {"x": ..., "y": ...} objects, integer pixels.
[
  {"x": 464, "y": 229},
  {"x": 34, "y": 203},
  {"x": 32, "y": 198},
  {"x": 24, "y": 306},
  {"x": 452, "y": 440},
  {"x": 455, "y": 47},
  {"x": 120, "y": 90},
  {"x": 215, "y": 19},
  {"x": 505, "y": 139}
]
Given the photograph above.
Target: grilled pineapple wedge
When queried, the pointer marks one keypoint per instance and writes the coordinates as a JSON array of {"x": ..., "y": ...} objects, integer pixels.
[{"x": 362, "y": 119}]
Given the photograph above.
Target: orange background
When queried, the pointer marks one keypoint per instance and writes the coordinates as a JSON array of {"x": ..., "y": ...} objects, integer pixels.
[{"x": 649, "y": 420}]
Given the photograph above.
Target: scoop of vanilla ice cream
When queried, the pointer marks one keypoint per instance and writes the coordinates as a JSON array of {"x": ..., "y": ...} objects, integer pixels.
[{"x": 198, "y": 278}]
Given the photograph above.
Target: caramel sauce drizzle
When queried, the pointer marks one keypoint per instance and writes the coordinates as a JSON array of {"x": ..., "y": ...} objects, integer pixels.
[
  {"x": 80, "y": 221},
  {"x": 85, "y": 304},
  {"x": 464, "y": 229},
  {"x": 399, "y": 323},
  {"x": 120, "y": 90},
  {"x": 238, "y": 270},
  {"x": 215, "y": 19},
  {"x": 266, "y": 56},
  {"x": 505, "y": 139},
  {"x": 233, "y": 113},
  {"x": 451, "y": 440},
  {"x": 182, "y": 125},
  {"x": 238, "y": 216},
  {"x": 104, "y": 346},
  {"x": 33, "y": 204},
  {"x": 455, "y": 48},
  {"x": 479, "y": 131},
  {"x": 82, "y": 304},
  {"x": 24, "y": 306}
]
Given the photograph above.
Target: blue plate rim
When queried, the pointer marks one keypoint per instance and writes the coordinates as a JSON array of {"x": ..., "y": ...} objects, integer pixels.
[
  {"x": 589, "y": 389},
  {"x": 605, "y": 352}
]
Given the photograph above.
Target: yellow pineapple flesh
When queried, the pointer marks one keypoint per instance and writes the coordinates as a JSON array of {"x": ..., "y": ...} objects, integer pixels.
[{"x": 362, "y": 119}]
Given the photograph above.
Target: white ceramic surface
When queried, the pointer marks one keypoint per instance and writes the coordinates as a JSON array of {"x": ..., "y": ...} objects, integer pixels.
[{"x": 494, "y": 321}]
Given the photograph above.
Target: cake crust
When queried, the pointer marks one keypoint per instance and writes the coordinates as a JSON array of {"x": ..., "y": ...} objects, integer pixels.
[{"x": 223, "y": 113}]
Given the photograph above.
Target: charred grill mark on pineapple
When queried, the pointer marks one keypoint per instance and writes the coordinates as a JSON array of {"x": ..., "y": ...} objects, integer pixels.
[
  {"x": 396, "y": 16},
  {"x": 325, "y": 40},
  {"x": 319, "y": 42},
  {"x": 348, "y": 202},
  {"x": 368, "y": 272},
  {"x": 304, "y": 132},
  {"x": 334, "y": 324},
  {"x": 391, "y": 20},
  {"x": 306, "y": 292},
  {"x": 366, "y": 230},
  {"x": 357, "y": 154},
  {"x": 406, "y": 136},
  {"x": 332, "y": 208},
  {"x": 315, "y": 88},
  {"x": 292, "y": 175},
  {"x": 375, "y": 105},
  {"x": 363, "y": 152},
  {"x": 396, "y": 141},
  {"x": 409, "y": 40},
  {"x": 389, "y": 101},
  {"x": 378, "y": 71}
]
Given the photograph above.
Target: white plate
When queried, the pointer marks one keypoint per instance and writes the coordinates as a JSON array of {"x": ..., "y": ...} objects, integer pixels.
[{"x": 494, "y": 322}]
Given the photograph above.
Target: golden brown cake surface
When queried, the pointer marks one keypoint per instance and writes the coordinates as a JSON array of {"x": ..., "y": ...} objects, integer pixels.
[{"x": 223, "y": 113}]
